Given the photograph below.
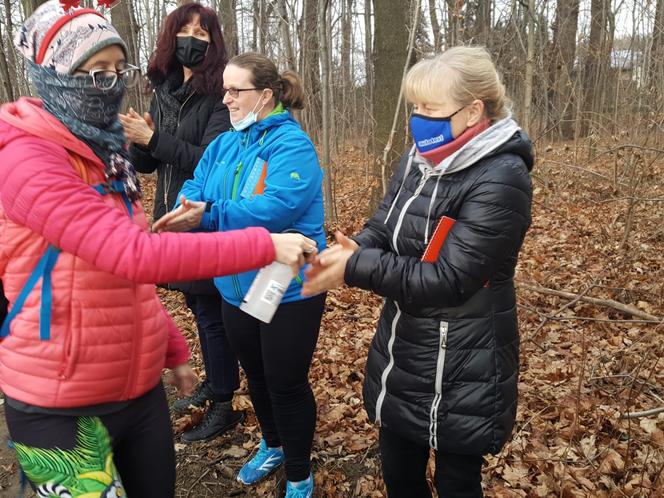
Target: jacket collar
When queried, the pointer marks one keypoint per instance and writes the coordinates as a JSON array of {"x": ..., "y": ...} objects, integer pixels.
[
  {"x": 278, "y": 117},
  {"x": 28, "y": 114}
]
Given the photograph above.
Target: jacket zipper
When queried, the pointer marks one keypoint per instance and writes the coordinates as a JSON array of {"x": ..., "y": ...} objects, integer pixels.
[
  {"x": 388, "y": 368},
  {"x": 390, "y": 344},
  {"x": 236, "y": 183},
  {"x": 169, "y": 168},
  {"x": 425, "y": 176},
  {"x": 438, "y": 385}
]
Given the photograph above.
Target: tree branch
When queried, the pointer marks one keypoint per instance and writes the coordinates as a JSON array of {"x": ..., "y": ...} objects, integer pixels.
[
  {"x": 609, "y": 303},
  {"x": 645, "y": 413}
]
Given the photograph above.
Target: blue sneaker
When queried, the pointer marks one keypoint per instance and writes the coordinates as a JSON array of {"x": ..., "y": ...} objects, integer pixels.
[
  {"x": 302, "y": 489},
  {"x": 264, "y": 462}
]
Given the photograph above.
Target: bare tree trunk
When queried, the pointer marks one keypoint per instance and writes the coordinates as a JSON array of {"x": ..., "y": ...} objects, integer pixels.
[
  {"x": 484, "y": 20},
  {"x": 453, "y": 22},
  {"x": 390, "y": 51},
  {"x": 561, "y": 62},
  {"x": 8, "y": 58},
  {"x": 480, "y": 16},
  {"x": 29, "y": 6},
  {"x": 346, "y": 66},
  {"x": 262, "y": 26},
  {"x": 325, "y": 72},
  {"x": 392, "y": 57},
  {"x": 255, "y": 8},
  {"x": 656, "y": 67},
  {"x": 125, "y": 22},
  {"x": 227, "y": 15},
  {"x": 368, "y": 71},
  {"x": 309, "y": 69},
  {"x": 7, "y": 84},
  {"x": 435, "y": 27},
  {"x": 530, "y": 67},
  {"x": 597, "y": 63},
  {"x": 284, "y": 28}
]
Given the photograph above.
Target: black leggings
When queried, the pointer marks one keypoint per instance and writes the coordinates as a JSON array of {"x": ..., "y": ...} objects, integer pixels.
[
  {"x": 221, "y": 368},
  {"x": 276, "y": 358},
  {"x": 141, "y": 444},
  {"x": 405, "y": 465}
]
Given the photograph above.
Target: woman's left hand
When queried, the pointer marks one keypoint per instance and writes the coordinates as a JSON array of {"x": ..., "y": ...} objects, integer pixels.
[
  {"x": 183, "y": 378},
  {"x": 327, "y": 270},
  {"x": 136, "y": 128},
  {"x": 187, "y": 216}
]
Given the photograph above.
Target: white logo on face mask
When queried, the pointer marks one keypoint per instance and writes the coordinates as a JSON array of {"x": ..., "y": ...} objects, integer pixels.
[
  {"x": 249, "y": 119},
  {"x": 431, "y": 141}
]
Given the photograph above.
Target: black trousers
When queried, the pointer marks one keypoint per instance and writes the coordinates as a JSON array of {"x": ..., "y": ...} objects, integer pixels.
[
  {"x": 276, "y": 358},
  {"x": 404, "y": 470},
  {"x": 141, "y": 444},
  {"x": 221, "y": 367}
]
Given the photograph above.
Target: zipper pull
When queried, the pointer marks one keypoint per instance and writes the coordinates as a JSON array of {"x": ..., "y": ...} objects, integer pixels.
[
  {"x": 443, "y": 335},
  {"x": 238, "y": 168}
]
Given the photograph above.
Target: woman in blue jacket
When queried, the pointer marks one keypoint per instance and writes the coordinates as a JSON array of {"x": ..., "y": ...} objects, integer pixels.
[{"x": 265, "y": 173}]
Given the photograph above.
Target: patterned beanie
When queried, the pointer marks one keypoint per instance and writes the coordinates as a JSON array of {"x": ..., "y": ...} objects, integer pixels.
[{"x": 63, "y": 40}]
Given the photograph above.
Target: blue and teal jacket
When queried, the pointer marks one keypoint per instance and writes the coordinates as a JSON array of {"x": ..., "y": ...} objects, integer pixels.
[{"x": 267, "y": 175}]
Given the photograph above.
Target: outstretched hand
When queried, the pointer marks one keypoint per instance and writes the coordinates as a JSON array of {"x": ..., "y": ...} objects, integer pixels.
[
  {"x": 187, "y": 216},
  {"x": 327, "y": 270},
  {"x": 293, "y": 249}
]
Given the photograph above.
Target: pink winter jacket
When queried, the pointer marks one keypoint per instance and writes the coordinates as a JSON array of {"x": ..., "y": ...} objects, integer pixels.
[{"x": 110, "y": 335}]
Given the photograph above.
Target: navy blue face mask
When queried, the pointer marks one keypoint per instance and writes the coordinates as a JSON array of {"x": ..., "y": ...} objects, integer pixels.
[{"x": 430, "y": 133}]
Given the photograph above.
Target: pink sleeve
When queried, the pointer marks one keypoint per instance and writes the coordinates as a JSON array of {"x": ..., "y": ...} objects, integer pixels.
[
  {"x": 178, "y": 349},
  {"x": 40, "y": 190}
]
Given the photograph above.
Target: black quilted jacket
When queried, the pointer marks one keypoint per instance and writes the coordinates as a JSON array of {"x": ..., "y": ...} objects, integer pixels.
[{"x": 443, "y": 366}]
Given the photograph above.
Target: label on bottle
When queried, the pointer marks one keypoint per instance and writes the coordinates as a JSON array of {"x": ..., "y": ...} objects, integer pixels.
[{"x": 273, "y": 293}]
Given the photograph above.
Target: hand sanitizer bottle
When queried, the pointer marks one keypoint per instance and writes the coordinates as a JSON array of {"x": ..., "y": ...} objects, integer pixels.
[{"x": 266, "y": 291}]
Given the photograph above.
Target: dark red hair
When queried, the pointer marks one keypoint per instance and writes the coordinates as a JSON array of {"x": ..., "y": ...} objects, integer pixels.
[{"x": 208, "y": 77}]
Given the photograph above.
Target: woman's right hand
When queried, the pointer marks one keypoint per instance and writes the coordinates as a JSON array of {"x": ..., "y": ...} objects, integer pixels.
[
  {"x": 293, "y": 249},
  {"x": 138, "y": 129}
]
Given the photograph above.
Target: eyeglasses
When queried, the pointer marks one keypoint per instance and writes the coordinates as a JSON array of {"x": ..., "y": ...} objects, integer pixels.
[
  {"x": 235, "y": 92},
  {"x": 103, "y": 79}
]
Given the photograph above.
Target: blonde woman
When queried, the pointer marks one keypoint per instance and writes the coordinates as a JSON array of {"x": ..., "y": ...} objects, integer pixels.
[{"x": 443, "y": 366}]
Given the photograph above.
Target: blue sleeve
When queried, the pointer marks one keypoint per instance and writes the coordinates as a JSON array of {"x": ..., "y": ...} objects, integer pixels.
[{"x": 293, "y": 180}]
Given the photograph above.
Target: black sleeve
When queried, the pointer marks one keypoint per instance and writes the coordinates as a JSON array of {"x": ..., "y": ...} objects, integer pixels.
[
  {"x": 140, "y": 156},
  {"x": 374, "y": 233},
  {"x": 489, "y": 229},
  {"x": 184, "y": 155}
]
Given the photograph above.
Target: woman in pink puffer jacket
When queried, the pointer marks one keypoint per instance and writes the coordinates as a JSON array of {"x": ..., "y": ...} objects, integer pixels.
[{"x": 87, "y": 337}]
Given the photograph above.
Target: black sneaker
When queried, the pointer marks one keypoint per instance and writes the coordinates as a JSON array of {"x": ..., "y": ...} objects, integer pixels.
[
  {"x": 201, "y": 395},
  {"x": 219, "y": 418}
]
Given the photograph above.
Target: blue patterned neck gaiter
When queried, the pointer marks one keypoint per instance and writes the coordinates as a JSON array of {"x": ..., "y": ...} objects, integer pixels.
[{"x": 91, "y": 115}]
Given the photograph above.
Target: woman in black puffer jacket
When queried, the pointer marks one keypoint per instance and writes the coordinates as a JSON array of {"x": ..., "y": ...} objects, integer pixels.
[
  {"x": 443, "y": 366},
  {"x": 186, "y": 114}
]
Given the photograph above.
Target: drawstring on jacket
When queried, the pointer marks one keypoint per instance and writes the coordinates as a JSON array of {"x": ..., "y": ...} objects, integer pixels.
[
  {"x": 431, "y": 201},
  {"x": 411, "y": 156}
]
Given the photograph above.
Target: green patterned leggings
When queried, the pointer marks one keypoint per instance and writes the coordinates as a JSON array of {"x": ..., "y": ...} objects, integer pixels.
[{"x": 125, "y": 453}]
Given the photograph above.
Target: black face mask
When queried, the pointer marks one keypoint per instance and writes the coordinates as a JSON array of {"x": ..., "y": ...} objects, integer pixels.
[{"x": 190, "y": 51}]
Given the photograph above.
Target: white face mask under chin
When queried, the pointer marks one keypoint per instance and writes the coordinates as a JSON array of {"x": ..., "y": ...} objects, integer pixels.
[{"x": 249, "y": 119}]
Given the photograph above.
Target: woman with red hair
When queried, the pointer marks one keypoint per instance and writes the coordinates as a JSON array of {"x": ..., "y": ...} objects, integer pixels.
[{"x": 186, "y": 114}]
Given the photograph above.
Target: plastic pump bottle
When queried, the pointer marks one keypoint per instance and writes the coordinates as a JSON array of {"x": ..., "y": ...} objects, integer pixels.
[{"x": 266, "y": 291}]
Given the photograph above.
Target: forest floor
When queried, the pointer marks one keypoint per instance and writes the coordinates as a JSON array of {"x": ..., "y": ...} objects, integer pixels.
[{"x": 597, "y": 233}]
